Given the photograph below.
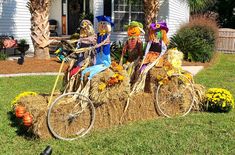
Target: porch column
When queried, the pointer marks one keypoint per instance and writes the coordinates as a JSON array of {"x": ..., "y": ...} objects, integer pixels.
[{"x": 84, "y": 6}]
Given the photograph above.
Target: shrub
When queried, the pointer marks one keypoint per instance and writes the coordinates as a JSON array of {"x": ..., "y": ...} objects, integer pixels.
[
  {"x": 116, "y": 51},
  {"x": 219, "y": 100},
  {"x": 22, "y": 42},
  {"x": 3, "y": 56},
  {"x": 196, "y": 39}
]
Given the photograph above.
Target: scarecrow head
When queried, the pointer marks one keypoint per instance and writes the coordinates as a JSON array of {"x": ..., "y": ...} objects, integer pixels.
[
  {"x": 158, "y": 31},
  {"x": 134, "y": 29},
  {"x": 104, "y": 24},
  {"x": 86, "y": 29}
]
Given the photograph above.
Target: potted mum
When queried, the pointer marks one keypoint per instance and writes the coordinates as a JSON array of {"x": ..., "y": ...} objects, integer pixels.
[{"x": 23, "y": 46}]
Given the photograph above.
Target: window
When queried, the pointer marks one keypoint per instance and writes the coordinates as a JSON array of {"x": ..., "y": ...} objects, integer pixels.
[{"x": 124, "y": 12}]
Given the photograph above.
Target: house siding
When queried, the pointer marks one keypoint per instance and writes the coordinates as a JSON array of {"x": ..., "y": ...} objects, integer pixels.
[
  {"x": 163, "y": 14},
  {"x": 98, "y": 10},
  {"x": 15, "y": 20},
  {"x": 178, "y": 15}
]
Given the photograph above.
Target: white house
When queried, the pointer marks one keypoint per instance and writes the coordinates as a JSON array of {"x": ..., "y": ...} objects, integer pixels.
[
  {"x": 15, "y": 17},
  {"x": 67, "y": 12}
]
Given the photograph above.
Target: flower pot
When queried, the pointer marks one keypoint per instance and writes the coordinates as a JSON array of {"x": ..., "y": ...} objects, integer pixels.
[{"x": 23, "y": 48}]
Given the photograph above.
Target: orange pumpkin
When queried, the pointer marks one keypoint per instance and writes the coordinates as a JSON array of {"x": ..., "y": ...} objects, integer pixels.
[
  {"x": 28, "y": 119},
  {"x": 133, "y": 31},
  {"x": 20, "y": 111}
]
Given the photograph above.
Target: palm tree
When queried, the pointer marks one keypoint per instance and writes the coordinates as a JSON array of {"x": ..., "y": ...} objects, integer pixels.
[
  {"x": 40, "y": 32},
  {"x": 151, "y": 9},
  {"x": 199, "y": 6}
]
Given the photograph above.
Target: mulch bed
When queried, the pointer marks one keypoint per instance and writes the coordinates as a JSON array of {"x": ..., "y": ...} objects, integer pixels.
[{"x": 30, "y": 65}]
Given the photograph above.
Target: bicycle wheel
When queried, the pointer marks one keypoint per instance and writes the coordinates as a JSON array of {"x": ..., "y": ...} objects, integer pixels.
[
  {"x": 69, "y": 118},
  {"x": 175, "y": 97}
]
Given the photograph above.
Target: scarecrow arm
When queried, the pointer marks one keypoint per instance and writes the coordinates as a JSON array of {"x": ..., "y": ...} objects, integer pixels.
[
  {"x": 90, "y": 39},
  {"x": 105, "y": 42}
]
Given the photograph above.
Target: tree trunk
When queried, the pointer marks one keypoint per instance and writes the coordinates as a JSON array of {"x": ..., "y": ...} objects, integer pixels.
[
  {"x": 151, "y": 9},
  {"x": 40, "y": 31}
]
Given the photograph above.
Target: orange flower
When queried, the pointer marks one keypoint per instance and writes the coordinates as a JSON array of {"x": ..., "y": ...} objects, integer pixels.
[{"x": 112, "y": 81}]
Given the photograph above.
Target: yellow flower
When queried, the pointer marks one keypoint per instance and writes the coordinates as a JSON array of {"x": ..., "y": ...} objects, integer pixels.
[
  {"x": 159, "y": 77},
  {"x": 119, "y": 68},
  {"x": 170, "y": 72},
  {"x": 120, "y": 78},
  {"x": 17, "y": 98},
  {"x": 102, "y": 86},
  {"x": 158, "y": 26},
  {"x": 115, "y": 75},
  {"x": 220, "y": 97}
]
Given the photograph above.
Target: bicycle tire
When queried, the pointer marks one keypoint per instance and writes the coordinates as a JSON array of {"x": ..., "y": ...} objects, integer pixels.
[
  {"x": 67, "y": 119},
  {"x": 175, "y": 98}
]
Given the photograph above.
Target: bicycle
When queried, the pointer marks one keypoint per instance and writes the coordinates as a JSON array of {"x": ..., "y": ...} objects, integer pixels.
[
  {"x": 175, "y": 96},
  {"x": 71, "y": 115}
]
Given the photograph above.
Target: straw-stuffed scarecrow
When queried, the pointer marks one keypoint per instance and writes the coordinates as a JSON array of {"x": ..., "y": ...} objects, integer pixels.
[
  {"x": 133, "y": 48},
  {"x": 157, "y": 44},
  {"x": 87, "y": 39},
  {"x": 103, "y": 59}
]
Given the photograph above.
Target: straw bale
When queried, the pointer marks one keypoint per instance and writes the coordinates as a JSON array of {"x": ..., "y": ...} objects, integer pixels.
[
  {"x": 141, "y": 107},
  {"x": 37, "y": 106},
  {"x": 117, "y": 92}
]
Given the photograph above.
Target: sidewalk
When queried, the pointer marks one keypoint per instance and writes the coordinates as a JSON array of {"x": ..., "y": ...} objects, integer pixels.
[
  {"x": 30, "y": 74},
  {"x": 192, "y": 69}
]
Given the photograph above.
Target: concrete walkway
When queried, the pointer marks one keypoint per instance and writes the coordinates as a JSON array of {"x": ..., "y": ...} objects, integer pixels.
[
  {"x": 192, "y": 69},
  {"x": 30, "y": 74}
]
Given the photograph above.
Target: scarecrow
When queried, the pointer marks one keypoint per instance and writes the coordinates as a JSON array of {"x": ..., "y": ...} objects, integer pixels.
[
  {"x": 87, "y": 39},
  {"x": 80, "y": 60},
  {"x": 132, "y": 50},
  {"x": 157, "y": 44},
  {"x": 103, "y": 59}
]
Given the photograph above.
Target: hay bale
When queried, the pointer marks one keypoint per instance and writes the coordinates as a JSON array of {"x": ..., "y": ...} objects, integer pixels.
[
  {"x": 109, "y": 103},
  {"x": 37, "y": 106},
  {"x": 117, "y": 92},
  {"x": 107, "y": 115},
  {"x": 141, "y": 107},
  {"x": 154, "y": 76}
]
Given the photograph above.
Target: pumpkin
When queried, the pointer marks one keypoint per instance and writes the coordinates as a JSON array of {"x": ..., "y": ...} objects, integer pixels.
[
  {"x": 133, "y": 31},
  {"x": 28, "y": 119},
  {"x": 20, "y": 111}
]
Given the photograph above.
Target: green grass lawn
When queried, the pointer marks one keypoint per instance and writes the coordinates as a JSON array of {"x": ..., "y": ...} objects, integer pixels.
[{"x": 197, "y": 133}]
